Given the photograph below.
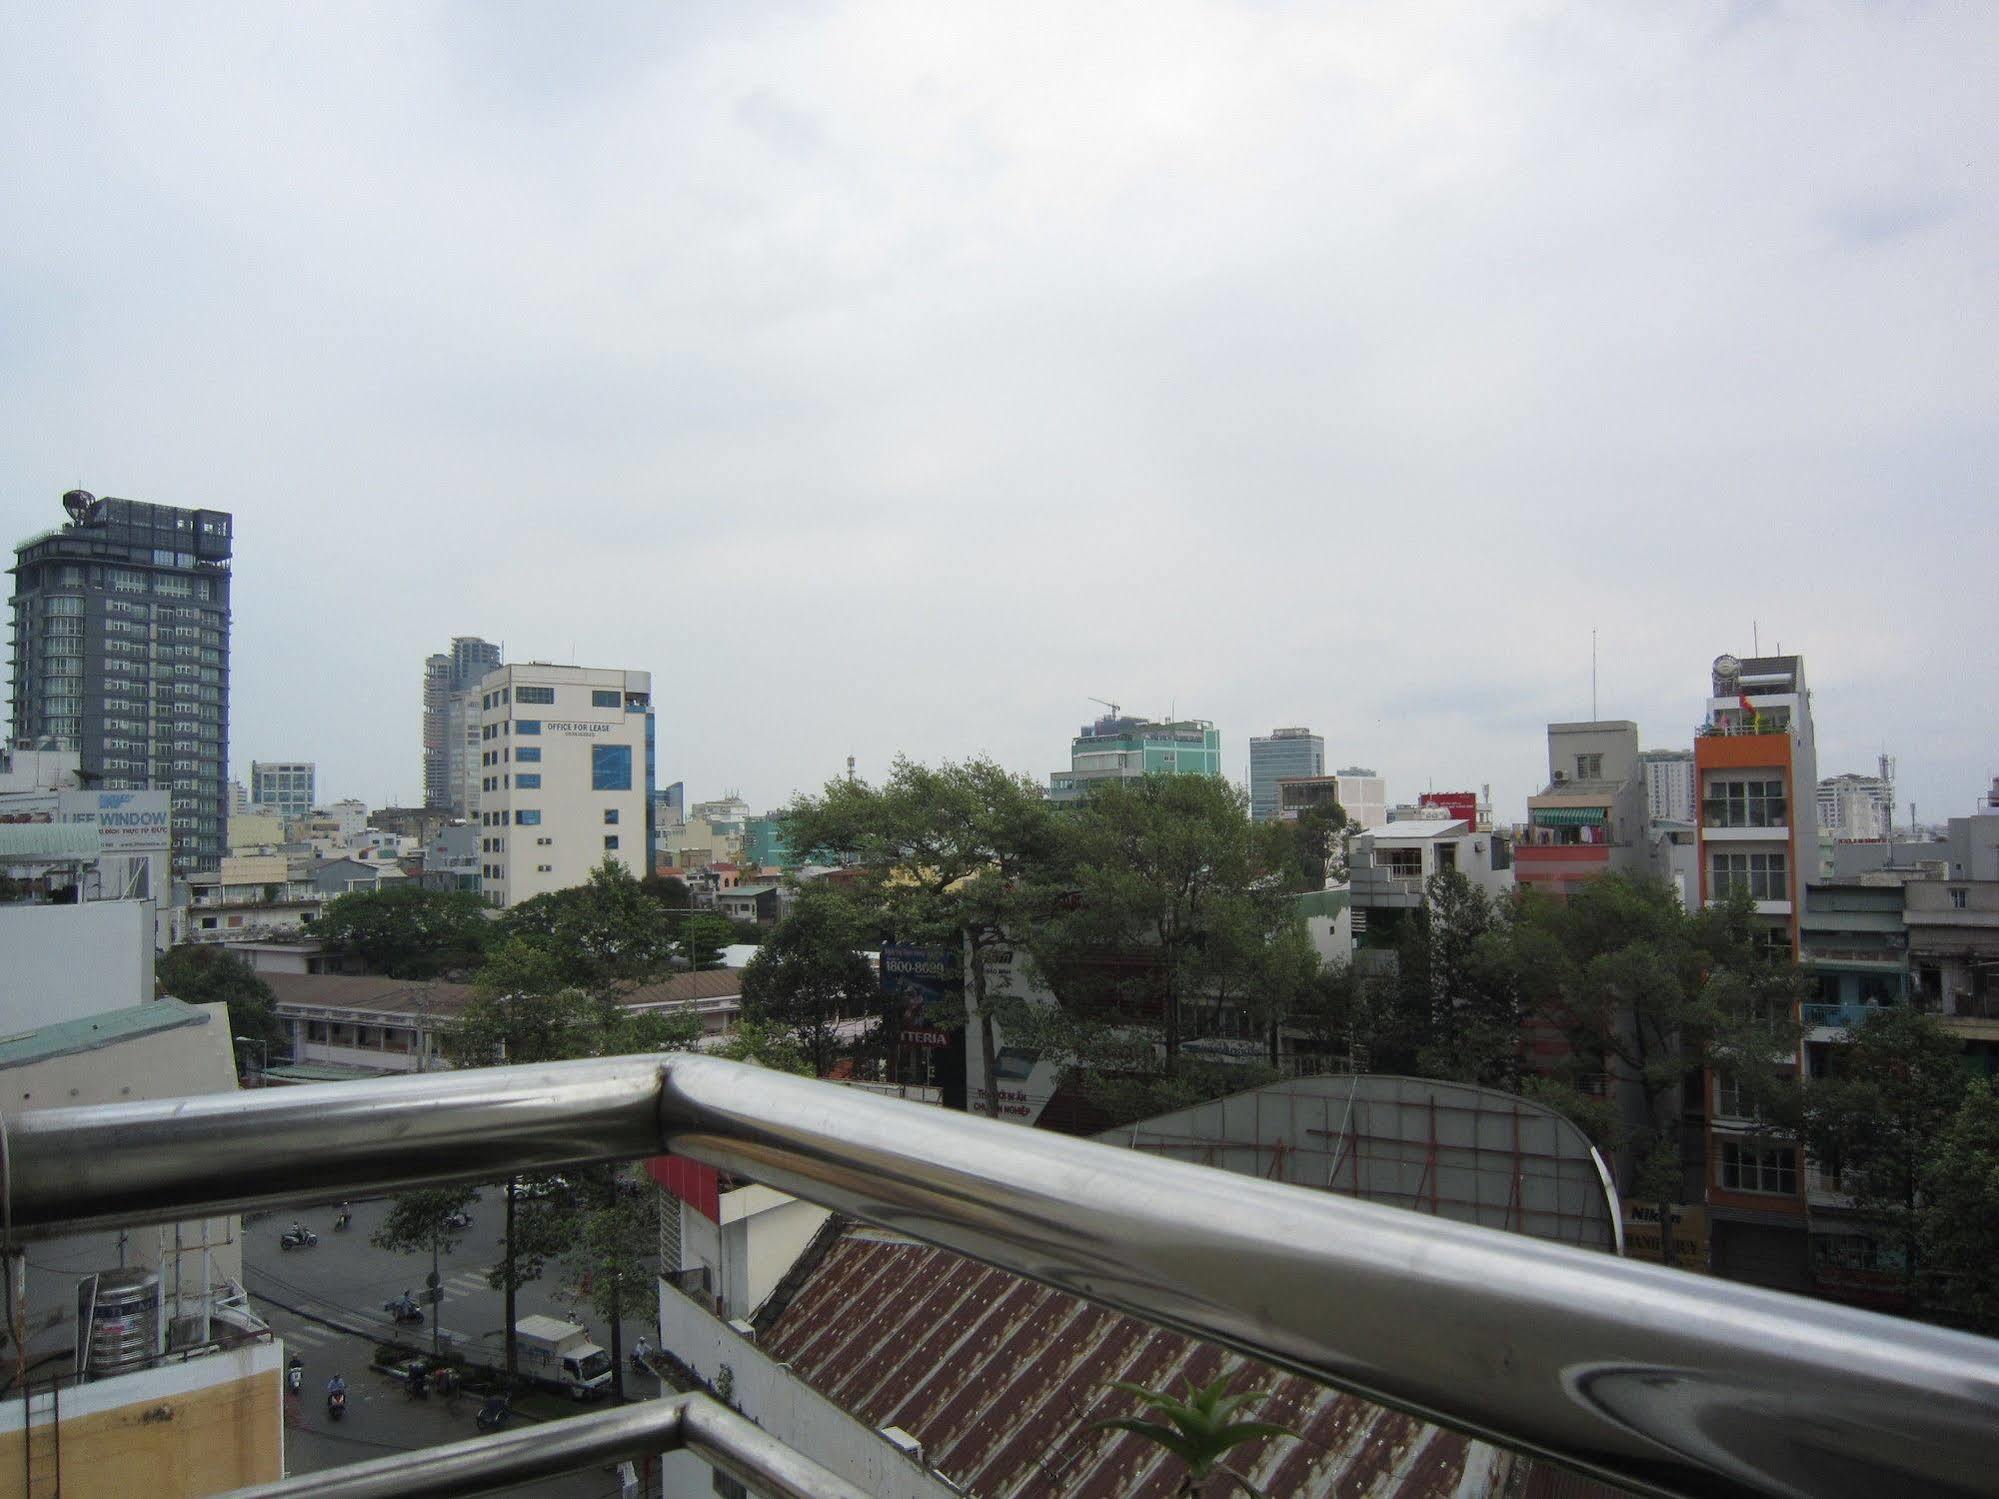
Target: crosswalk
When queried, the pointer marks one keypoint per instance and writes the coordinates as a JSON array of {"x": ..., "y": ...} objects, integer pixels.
[
  {"x": 311, "y": 1335},
  {"x": 465, "y": 1283}
]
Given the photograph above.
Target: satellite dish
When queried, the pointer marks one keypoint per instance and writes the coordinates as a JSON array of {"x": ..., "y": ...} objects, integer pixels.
[
  {"x": 80, "y": 503},
  {"x": 1727, "y": 668}
]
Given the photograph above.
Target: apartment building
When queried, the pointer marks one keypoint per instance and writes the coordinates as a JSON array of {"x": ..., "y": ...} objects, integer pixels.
[
  {"x": 1756, "y": 776},
  {"x": 283, "y": 787},
  {"x": 451, "y": 722},
  {"x": 1591, "y": 818},
  {"x": 1669, "y": 784},
  {"x": 1364, "y": 796},
  {"x": 566, "y": 767}
]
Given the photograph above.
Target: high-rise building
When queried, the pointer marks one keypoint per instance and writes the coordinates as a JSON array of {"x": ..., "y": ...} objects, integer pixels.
[
  {"x": 451, "y": 718},
  {"x": 121, "y": 648},
  {"x": 1857, "y": 808},
  {"x": 1364, "y": 796},
  {"x": 1123, "y": 749},
  {"x": 282, "y": 786},
  {"x": 566, "y": 765},
  {"x": 1669, "y": 785},
  {"x": 1284, "y": 753}
]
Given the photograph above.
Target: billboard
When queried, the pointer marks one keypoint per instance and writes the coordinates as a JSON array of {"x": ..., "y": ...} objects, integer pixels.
[{"x": 127, "y": 822}]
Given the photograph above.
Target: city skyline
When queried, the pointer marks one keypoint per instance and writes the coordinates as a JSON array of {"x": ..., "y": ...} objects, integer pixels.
[{"x": 861, "y": 376}]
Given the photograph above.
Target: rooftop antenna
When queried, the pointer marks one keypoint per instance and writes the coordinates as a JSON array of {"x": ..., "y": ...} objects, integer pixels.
[
  {"x": 1592, "y": 674},
  {"x": 850, "y": 770},
  {"x": 1755, "y": 640}
]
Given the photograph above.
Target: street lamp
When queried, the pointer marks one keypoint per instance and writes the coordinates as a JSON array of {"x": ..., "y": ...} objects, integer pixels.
[{"x": 264, "y": 1056}]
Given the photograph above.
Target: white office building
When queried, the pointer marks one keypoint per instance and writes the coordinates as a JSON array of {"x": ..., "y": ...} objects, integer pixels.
[
  {"x": 565, "y": 758},
  {"x": 1364, "y": 796},
  {"x": 283, "y": 786},
  {"x": 1857, "y": 809},
  {"x": 1669, "y": 785}
]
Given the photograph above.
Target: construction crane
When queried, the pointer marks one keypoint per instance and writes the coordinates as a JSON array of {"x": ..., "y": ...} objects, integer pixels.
[{"x": 1108, "y": 704}]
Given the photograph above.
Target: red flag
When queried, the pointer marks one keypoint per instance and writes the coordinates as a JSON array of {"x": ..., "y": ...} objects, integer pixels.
[{"x": 1747, "y": 706}]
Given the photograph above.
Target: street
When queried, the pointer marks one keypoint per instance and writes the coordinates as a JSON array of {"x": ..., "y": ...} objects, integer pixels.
[{"x": 343, "y": 1281}]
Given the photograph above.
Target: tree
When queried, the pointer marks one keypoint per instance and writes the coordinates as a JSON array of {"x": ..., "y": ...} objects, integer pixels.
[
  {"x": 1958, "y": 1225},
  {"x": 405, "y": 931},
  {"x": 810, "y": 976},
  {"x": 202, "y": 973},
  {"x": 1204, "y": 1429},
  {"x": 944, "y": 856},
  {"x": 1894, "y": 1086},
  {"x": 612, "y": 1234},
  {"x": 432, "y": 1219},
  {"x": 669, "y": 890},
  {"x": 1318, "y": 842},
  {"x": 698, "y": 941},
  {"x": 607, "y": 930}
]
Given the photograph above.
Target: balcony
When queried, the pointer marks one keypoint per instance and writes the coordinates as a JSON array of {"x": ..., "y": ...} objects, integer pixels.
[
  {"x": 1552, "y": 1349},
  {"x": 1839, "y": 1017}
]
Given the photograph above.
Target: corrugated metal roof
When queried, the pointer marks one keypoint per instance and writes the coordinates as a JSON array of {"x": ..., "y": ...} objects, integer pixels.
[
  {"x": 92, "y": 1031},
  {"x": 1001, "y": 1379},
  {"x": 49, "y": 840}
]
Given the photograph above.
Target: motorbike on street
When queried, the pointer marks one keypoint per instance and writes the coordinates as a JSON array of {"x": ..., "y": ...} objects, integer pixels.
[
  {"x": 341, "y": 1219},
  {"x": 295, "y": 1374},
  {"x": 458, "y": 1220},
  {"x": 298, "y": 1236},
  {"x": 404, "y": 1310},
  {"x": 416, "y": 1384},
  {"x": 493, "y": 1414},
  {"x": 642, "y": 1357},
  {"x": 336, "y": 1398}
]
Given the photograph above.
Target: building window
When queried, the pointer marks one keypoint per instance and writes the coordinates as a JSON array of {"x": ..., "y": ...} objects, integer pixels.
[
  {"x": 534, "y": 695},
  {"x": 1401, "y": 863},
  {"x": 599, "y": 698},
  {"x": 1744, "y": 804},
  {"x": 610, "y": 767},
  {"x": 527, "y": 725},
  {"x": 526, "y": 781},
  {"x": 610, "y": 840},
  {"x": 1763, "y": 876},
  {"x": 531, "y": 753},
  {"x": 527, "y": 819},
  {"x": 1759, "y": 1168},
  {"x": 610, "y": 816},
  {"x": 1957, "y": 898},
  {"x": 1589, "y": 767}
]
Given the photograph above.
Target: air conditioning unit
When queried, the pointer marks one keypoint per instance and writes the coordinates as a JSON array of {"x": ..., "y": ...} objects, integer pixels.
[{"x": 742, "y": 1329}]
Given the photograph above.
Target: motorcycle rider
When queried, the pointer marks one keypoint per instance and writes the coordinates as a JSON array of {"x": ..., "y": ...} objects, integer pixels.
[
  {"x": 641, "y": 1352},
  {"x": 343, "y": 1217},
  {"x": 295, "y": 1374}
]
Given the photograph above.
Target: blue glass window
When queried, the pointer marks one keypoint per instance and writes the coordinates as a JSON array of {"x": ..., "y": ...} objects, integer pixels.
[
  {"x": 605, "y": 698},
  {"x": 527, "y": 726},
  {"x": 526, "y": 782},
  {"x": 528, "y": 752},
  {"x": 610, "y": 767},
  {"x": 527, "y": 819},
  {"x": 610, "y": 840},
  {"x": 534, "y": 694}
]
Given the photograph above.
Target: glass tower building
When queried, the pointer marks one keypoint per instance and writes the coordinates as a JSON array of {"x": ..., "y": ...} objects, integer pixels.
[
  {"x": 121, "y": 650},
  {"x": 1281, "y": 754}
]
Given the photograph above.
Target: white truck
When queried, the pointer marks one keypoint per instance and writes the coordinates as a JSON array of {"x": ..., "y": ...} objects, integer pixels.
[{"x": 560, "y": 1355}]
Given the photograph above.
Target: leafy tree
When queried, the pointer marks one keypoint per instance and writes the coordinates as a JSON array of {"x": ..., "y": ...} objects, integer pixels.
[
  {"x": 698, "y": 941},
  {"x": 945, "y": 857},
  {"x": 612, "y": 1235},
  {"x": 204, "y": 973},
  {"x": 1317, "y": 840},
  {"x": 1893, "y": 1088},
  {"x": 669, "y": 890},
  {"x": 428, "y": 1219},
  {"x": 607, "y": 930},
  {"x": 405, "y": 931},
  {"x": 1958, "y": 1224},
  {"x": 1203, "y": 1430},
  {"x": 765, "y": 1046},
  {"x": 810, "y": 976}
]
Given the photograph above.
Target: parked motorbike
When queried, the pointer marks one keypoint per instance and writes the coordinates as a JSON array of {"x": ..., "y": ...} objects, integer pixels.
[
  {"x": 405, "y": 1311},
  {"x": 295, "y": 1374},
  {"x": 416, "y": 1384},
  {"x": 458, "y": 1220},
  {"x": 336, "y": 1405},
  {"x": 297, "y": 1237},
  {"x": 493, "y": 1414}
]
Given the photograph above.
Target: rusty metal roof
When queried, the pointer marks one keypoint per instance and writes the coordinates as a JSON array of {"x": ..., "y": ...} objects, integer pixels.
[{"x": 1000, "y": 1379}]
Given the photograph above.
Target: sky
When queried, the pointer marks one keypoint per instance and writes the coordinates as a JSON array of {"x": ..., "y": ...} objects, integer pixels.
[{"x": 899, "y": 378}]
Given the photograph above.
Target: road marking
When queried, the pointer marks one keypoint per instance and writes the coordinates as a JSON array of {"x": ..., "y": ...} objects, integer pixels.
[{"x": 465, "y": 1282}]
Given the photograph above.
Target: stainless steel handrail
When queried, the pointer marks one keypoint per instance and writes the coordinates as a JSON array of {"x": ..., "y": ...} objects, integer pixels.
[
  {"x": 703, "y": 1426},
  {"x": 1663, "y": 1381}
]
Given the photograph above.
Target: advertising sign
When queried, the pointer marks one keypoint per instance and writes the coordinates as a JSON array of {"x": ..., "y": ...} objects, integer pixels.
[
  {"x": 927, "y": 981},
  {"x": 127, "y": 822}
]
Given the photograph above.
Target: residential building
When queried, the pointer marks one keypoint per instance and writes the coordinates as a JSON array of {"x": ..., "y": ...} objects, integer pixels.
[
  {"x": 1364, "y": 795},
  {"x": 121, "y": 649},
  {"x": 761, "y": 903},
  {"x": 1389, "y": 869},
  {"x": 350, "y": 818},
  {"x": 239, "y": 799},
  {"x": 566, "y": 763},
  {"x": 1755, "y": 773},
  {"x": 1590, "y": 820},
  {"x": 451, "y": 720},
  {"x": 282, "y": 786},
  {"x": 254, "y": 897},
  {"x": 1123, "y": 749},
  {"x": 451, "y": 859},
  {"x": 1857, "y": 808},
  {"x": 763, "y": 844},
  {"x": 1295, "y": 794},
  {"x": 1669, "y": 785},
  {"x": 251, "y": 832},
  {"x": 1273, "y": 757}
]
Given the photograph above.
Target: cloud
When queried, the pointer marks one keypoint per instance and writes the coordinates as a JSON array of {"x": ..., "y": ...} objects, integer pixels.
[{"x": 893, "y": 378}]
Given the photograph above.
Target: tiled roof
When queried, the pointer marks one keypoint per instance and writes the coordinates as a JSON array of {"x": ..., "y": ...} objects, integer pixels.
[{"x": 1000, "y": 1379}]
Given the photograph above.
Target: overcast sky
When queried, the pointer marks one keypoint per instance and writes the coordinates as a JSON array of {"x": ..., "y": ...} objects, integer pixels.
[{"x": 900, "y": 377}]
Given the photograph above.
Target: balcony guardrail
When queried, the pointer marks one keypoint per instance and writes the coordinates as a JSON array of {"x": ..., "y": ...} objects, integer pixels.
[{"x": 1667, "y": 1383}]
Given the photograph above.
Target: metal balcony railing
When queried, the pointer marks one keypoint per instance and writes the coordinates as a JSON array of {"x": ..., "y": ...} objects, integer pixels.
[{"x": 1665, "y": 1382}]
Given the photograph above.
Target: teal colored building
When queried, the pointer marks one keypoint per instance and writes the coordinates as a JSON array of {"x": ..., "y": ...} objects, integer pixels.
[
  {"x": 763, "y": 843},
  {"x": 1123, "y": 749}
]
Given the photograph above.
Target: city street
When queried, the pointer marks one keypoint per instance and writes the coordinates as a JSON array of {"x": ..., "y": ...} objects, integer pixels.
[{"x": 346, "y": 1279}]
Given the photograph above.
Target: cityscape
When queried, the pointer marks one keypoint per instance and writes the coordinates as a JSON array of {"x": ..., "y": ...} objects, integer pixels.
[{"x": 868, "y": 752}]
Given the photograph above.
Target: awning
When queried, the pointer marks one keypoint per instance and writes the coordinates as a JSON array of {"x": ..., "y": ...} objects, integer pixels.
[{"x": 1568, "y": 817}]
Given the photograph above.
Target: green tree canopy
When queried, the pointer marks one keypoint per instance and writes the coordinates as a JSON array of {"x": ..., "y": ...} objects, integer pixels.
[
  {"x": 405, "y": 931},
  {"x": 1959, "y": 1224},
  {"x": 203, "y": 973},
  {"x": 810, "y": 975},
  {"x": 606, "y": 931}
]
